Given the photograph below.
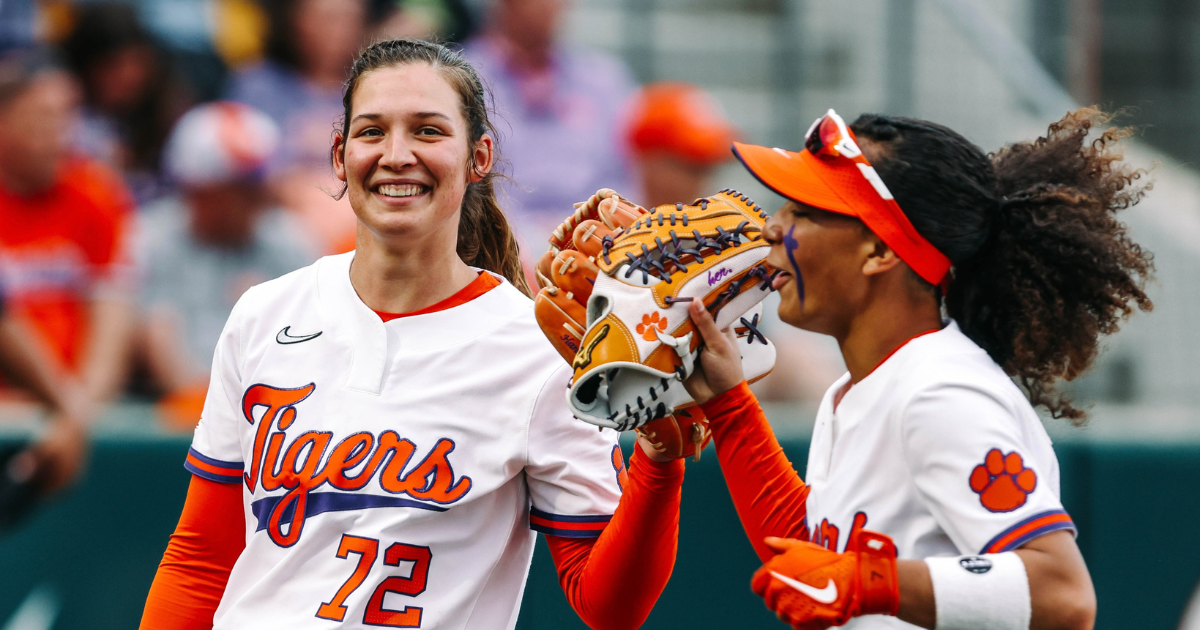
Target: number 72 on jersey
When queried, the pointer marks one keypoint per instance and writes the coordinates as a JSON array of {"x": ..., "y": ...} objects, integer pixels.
[{"x": 413, "y": 585}]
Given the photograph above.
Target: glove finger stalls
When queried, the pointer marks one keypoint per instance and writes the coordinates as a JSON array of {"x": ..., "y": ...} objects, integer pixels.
[
  {"x": 589, "y": 237},
  {"x": 571, "y": 271},
  {"x": 543, "y": 269},
  {"x": 618, "y": 213},
  {"x": 560, "y": 319}
]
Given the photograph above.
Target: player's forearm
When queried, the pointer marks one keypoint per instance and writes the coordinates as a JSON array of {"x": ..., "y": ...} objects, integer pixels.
[
  {"x": 631, "y": 562},
  {"x": 107, "y": 356},
  {"x": 916, "y": 593},
  {"x": 1061, "y": 591},
  {"x": 767, "y": 491},
  {"x": 1060, "y": 588},
  {"x": 191, "y": 578},
  {"x": 24, "y": 362}
]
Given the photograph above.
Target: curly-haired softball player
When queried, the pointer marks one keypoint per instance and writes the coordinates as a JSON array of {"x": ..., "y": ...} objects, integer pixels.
[
  {"x": 384, "y": 429},
  {"x": 932, "y": 489}
]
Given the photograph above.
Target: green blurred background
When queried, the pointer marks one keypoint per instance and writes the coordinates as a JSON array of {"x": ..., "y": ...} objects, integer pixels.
[
  {"x": 996, "y": 71},
  {"x": 87, "y": 560}
]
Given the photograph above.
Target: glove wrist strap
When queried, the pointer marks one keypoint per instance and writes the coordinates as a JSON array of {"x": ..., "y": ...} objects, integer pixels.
[{"x": 879, "y": 583}]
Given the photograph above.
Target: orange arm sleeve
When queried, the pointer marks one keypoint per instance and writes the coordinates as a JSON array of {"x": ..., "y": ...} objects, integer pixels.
[
  {"x": 192, "y": 575},
  {"x": 767, "y": 491},
  {"x": 613, "y": 581}
]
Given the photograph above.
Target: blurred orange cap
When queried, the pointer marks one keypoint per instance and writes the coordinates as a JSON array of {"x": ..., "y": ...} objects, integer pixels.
[{"x": 682, "y": 120}]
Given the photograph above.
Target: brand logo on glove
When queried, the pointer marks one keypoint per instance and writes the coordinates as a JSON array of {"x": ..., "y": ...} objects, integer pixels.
[
  {"x": 721, "y": 274},
  {"x": 584, "y": 358},
  {"x": 826, "y": 595},
  {"x": 976, "y": 564}
]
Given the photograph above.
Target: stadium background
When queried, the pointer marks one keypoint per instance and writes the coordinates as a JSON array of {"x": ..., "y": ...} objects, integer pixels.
[{"x": 995, "y": 71}]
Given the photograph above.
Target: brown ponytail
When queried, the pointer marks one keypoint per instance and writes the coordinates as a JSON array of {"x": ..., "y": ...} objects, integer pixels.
[{"x": 485, "y": 239}]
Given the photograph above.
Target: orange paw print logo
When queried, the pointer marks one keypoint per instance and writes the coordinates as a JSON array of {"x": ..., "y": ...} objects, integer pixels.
[
  {"x": 618, "y": 464},
  {"x": 1002, "y": 481},
  {"x": 650, "y": 326}
]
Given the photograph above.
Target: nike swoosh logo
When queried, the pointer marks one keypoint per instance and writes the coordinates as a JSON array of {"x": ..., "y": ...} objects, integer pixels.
[
  {"x": 284, "y": 338},
  {"x": 826, "y": 595}
]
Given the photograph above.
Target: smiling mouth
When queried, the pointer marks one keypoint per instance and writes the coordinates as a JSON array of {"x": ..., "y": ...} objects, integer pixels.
[{"x": 401, "y": 190}]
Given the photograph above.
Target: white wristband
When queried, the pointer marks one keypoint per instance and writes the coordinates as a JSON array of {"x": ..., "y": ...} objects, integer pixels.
[{"x": 988, "y": 592}]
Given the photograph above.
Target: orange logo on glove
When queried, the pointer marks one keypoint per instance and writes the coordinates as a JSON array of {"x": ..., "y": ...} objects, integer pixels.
[
  {"x": 1002, "y": 481},
  {"x": 650, "y": 326}
]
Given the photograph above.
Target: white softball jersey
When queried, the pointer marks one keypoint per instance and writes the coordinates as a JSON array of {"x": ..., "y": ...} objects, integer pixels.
[
  {"x": 393, "y": 474},
  {"x": 938, "y": 449}
]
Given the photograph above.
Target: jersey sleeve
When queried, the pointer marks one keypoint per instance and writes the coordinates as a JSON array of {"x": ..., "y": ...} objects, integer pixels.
[
  {"x": 574, "y": 471},
  {"x": 216, "y": 452},
  {"x": 990, "y": 485}
]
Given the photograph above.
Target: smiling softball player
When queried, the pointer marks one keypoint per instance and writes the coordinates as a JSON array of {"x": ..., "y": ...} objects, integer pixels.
[
  {"x": 931, "y": 496},
  {"x": 386, "y": 430}
]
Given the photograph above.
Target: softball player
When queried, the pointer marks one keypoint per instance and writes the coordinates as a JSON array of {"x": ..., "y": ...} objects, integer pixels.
[
  {"x": 932, "y": 491},
  {"x": 386, "y": 429}
]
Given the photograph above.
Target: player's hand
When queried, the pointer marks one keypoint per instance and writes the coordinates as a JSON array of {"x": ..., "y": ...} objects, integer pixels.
[
  {"x": 652, "y": 453},
  {"x": 719, "y": 367},
  {"x": 811, "y": 587},
  {"x": 61, "y": 454}
]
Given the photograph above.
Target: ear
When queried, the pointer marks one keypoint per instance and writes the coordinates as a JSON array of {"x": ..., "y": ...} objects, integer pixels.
[
  {"x": 481, "y": 158},
  {"x": 879, "y": 257},
  {"x": 338, "y": 155}
]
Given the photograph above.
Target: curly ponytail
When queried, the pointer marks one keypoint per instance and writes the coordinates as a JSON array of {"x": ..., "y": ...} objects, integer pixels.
[
  {"x": 1042, "y": 266},
  {"x": 485, "y": 239}
]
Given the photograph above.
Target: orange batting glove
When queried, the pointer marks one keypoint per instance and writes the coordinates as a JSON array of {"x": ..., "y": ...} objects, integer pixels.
[{"x": 811, "y": 587}]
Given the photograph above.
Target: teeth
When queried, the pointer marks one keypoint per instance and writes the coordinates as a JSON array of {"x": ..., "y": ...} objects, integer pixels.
[{"x": 401, "y": 190}]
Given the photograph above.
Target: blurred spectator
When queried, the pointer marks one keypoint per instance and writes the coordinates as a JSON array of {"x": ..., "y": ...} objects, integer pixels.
[
  {"x": 131, "y": 96},
  {"x": 57, "y": 458},
  {"x": 441, "y": 20},
  {"x": 18, "y": 24},
  {"x": 62, "y": 249},
  {"x": 239, "y": 31},
  {"x": 679, "y": 136},
  {"x": 299, "y": 85},
  {"x": 559, "y": 113},
  {"x": 203, "y": 248}
]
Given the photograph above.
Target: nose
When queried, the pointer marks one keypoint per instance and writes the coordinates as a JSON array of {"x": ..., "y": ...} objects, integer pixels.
[
  {"x": 773, "y": 231},
  {"x": 397, "y": 153}
]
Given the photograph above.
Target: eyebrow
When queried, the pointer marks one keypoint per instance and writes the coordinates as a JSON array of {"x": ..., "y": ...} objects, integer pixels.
[{"x": 423, "y": 115}]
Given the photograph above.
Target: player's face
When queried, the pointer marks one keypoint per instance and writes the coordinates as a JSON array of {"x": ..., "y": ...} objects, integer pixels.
[
  {"x": 406, "y": 154},
  {"x": 820, "y": 255}
]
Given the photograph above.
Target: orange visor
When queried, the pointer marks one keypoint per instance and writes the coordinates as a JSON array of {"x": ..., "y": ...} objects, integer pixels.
[{"x": 832, "y": 174}]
